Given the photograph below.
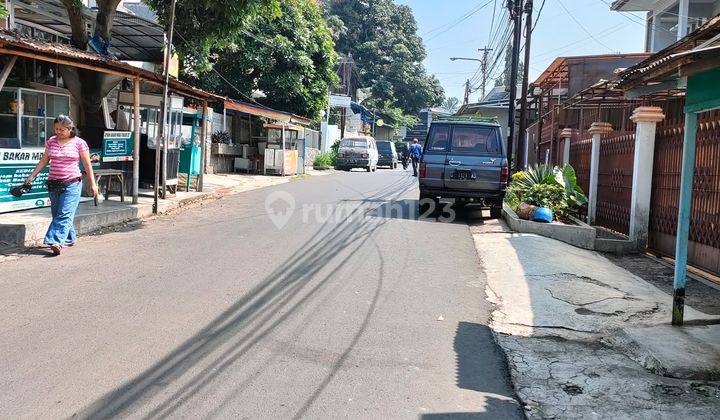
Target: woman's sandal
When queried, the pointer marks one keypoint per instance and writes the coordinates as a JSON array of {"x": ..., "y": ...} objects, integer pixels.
[{"x": 56, "y": 249}]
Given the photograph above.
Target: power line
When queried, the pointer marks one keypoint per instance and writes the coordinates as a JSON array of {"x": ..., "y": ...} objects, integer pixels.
[
  {"x": 582, "y": 26},
  {"x": 537, "y": 18},
  {"x": 459, "y": 21},
  {"x": 608, "y": 31},
  {"x": 642, "y": 22},
  {"x": 492, "y": 22}
]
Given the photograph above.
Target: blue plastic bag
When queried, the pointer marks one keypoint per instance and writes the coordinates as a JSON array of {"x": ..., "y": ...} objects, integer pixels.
[{"x": 543, "y": 214}]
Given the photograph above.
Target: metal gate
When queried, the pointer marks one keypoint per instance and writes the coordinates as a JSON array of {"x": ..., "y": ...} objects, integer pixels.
[
  {"x": 580, "y": 161},
  {"x": 615, "y": 171},
  {"x": 704, "y": 246}
]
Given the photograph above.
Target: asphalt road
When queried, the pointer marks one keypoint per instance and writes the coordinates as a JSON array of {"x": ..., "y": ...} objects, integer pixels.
[{"x": 356, "y": 307}]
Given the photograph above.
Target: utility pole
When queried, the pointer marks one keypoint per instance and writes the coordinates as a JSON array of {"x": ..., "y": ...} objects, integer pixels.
[
  {"x": 347, "y": 63},
  {"x": 162, "y": 141},
  {"x": 515, "y": 9},
  {"x": 522, "y": 147},
  {"x": 483, "y": 68},
  {"x": 467, "y": 92}
]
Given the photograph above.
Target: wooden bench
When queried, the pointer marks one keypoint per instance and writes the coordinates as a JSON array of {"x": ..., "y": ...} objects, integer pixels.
[{"x": 109, "y": 174}]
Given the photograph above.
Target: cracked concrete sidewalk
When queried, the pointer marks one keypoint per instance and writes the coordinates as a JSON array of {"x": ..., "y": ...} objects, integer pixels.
[{"x": 584, "y": 337}]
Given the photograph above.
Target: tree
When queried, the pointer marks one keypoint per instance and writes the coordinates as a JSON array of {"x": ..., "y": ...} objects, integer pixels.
[
  {"x": 289, "y": 57},
  {"x": 504, "y": 79},
  {"x": 382, "y": 38},
  {"x": 450, "y": 105},
  {"x": 203, "y": 28},
  {"x": 200, "y": 22}
]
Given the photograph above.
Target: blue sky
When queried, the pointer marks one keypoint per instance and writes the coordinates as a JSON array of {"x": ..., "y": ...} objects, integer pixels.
[{"x": 448, "y": 29}]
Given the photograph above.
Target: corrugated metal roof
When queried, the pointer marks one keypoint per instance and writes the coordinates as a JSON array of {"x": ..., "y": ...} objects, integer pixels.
[
  {"x": 14, "y": 43},
  {"x": 664, "y": 59},
  {"x": 133, "y": 38}
]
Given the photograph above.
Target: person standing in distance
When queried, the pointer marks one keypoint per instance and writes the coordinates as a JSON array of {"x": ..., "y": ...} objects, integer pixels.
[
  {"x": 63, "y": 152},
  {"x": 415, "y": 155}
]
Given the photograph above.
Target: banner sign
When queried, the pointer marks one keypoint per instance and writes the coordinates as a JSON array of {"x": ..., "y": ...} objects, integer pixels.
[
  {"x": 15, "y": 166},
  {"x": 339, "y": 101},
  {"x": 117, "y": 146}
]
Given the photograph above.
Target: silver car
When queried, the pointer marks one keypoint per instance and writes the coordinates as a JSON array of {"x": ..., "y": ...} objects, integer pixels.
[{"x": 465, "y": 161}]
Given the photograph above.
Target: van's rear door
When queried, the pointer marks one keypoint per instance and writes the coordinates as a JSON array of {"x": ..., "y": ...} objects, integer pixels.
[
  {"x": 435, "y": 155},
  {"x": 475, "y": 159}
]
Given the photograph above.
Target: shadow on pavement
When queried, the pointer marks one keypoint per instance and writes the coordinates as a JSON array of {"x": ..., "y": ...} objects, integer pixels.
[
  {"x": 445, "y": 212},
  {"x": 246, "y": 323}
]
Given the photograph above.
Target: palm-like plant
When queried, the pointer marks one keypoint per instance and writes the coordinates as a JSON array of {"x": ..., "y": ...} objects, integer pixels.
[{"x": 525, "y": 182}]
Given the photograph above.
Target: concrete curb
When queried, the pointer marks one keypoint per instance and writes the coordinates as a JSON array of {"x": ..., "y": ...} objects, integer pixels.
[
  {"x": 581, "y": 236},
  {"x": 661, "y": 355}
]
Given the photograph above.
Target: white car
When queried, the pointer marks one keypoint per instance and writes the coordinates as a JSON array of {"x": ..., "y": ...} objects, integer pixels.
[{"x": 357, "y": 152}]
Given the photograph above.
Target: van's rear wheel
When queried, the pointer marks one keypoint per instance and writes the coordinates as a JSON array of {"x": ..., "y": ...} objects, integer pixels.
[
  {"x": 427, "y": 204},
  {"x": 369, "y": 168},
  {"x": 496, "y": 212}
]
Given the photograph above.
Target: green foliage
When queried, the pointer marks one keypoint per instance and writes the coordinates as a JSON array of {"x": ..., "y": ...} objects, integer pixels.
[
  {"x": 541, "y": 174},
  {"x": 335, "y": 147},
  {"x": 518, "y": 177},
  {"x": 512, "y": 199},
  {"x": 382, "y": 38},
  {"x": 222, "y": 137},
  {"x": 451, "y": 104},
  {"x": 203, "y": 28},
  {"x": 289, "y": 57},
  {"x": 504, "y": 79},
  {"x": 547, "y": 195},
  {"x": 544, "y": 185},
  {"x": 324, "y": 160},
  {"x": 574, "y": 194}
]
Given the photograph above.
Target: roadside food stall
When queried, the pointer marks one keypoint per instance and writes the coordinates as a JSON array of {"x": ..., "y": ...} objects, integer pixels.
[
  {"x": 150, "y": 110},
  {"x": 28, "y": 108},
  {"x": 284, "y": 147}
]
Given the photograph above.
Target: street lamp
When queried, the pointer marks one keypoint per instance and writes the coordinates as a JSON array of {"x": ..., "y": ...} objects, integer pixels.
[
  {"x": 483, "y": 67},
  {"x": 465, "y": 58}
]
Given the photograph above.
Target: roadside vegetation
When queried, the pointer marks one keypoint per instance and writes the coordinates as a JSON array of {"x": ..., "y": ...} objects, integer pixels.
[
  {"x": 546, "y": 186},
  {"x": 324, "y": 160}
]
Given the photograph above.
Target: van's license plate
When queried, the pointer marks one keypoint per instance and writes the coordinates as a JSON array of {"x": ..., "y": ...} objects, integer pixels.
[{"x": 462, "y": 175}]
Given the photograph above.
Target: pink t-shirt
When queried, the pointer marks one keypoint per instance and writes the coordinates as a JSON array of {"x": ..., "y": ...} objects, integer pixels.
[{"x": 64, "y": 160}]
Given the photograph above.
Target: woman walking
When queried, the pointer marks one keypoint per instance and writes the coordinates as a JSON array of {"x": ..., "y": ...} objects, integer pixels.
[{"x": 63, "y": 152}]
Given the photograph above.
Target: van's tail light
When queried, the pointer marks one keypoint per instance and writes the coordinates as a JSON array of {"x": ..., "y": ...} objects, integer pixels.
[
  {"x": 364, "y": 155},
  {"x": 422, "y": 170},
  {"x": 504, "y": 174}
]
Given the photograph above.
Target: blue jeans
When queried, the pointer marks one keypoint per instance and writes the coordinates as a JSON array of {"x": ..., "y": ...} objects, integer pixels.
[
  {"x": 415, "y": 166},
  {"x": 63, "y": 206}
]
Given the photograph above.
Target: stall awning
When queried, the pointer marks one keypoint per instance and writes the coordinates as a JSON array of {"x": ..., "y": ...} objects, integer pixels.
[
  {"x": 286, "y": 126},
  {"x": 13, "y": 43},
  {"x": 265, "y": 111},
  {"x": 257, "y": 110}
]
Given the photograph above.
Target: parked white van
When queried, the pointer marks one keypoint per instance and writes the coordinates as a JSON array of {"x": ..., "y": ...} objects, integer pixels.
[{"x": 357, "y": 152}]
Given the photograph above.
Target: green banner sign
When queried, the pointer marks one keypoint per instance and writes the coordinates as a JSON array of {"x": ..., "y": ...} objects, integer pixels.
[
  {"x": 117, "y": 146},
  {"x": 15, "y": 166}
]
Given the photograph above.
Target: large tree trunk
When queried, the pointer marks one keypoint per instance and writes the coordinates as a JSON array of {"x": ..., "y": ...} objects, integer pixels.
[{"x": 90, "y": 87}]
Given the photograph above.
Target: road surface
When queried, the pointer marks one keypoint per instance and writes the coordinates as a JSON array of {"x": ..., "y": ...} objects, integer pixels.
[{"x": 321, "y": 298}]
